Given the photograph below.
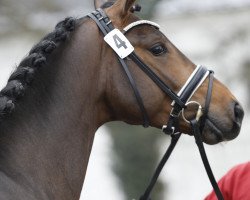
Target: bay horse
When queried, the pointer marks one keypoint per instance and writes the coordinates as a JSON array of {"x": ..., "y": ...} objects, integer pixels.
[{"x": 71, "y": 83}]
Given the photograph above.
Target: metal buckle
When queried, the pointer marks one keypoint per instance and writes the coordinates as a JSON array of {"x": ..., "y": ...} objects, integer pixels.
[
  {"x": 198, "y": 114},
  {"x": 166, "y": 127},
  {"x": 108, "y": 22},
  {"x": 100, "y": 18},
  {"x": 173, "y": 114}
]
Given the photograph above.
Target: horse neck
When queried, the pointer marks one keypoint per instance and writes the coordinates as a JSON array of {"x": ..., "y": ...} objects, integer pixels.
[{"x": 46, "y": 143}]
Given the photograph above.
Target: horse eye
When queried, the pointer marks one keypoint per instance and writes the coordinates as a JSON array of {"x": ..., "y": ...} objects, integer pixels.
[{"x": 158, "y": 49}]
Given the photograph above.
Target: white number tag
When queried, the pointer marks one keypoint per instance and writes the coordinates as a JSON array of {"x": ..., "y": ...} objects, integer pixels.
[{"x": 119, "y": 43}]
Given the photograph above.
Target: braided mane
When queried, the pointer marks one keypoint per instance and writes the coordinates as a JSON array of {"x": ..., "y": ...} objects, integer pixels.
[{"x": 23, "y": 76}]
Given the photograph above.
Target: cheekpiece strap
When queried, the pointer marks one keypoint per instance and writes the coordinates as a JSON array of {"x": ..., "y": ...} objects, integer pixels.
[{"x": 106, "y": 26}]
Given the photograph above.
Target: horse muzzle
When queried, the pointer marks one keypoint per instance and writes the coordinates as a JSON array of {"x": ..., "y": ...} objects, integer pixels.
[{"x": 218, "y": 129}]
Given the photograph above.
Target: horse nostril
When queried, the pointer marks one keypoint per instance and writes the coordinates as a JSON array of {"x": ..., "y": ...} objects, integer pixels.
[{"x": 238, "y": 113}]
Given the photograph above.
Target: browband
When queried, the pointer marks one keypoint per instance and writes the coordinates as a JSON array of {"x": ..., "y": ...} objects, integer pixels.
[{"x": 140, "y": 22}]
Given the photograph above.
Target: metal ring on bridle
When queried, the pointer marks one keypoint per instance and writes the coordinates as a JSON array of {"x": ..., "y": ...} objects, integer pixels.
[{"x": 198, "y": 114}]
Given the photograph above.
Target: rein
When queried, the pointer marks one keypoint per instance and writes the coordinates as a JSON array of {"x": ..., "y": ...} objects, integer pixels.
[{"x": 124, "y": 49}]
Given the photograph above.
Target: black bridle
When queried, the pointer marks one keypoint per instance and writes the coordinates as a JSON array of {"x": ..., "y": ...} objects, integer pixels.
[{"x": 180, "y": 101}]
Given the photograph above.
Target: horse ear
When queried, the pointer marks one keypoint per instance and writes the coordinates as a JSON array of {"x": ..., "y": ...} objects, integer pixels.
[{"x": 99, "y": 3}]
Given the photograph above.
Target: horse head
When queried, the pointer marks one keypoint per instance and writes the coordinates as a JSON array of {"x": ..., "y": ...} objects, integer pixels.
[{"x": 225, "y": 114}]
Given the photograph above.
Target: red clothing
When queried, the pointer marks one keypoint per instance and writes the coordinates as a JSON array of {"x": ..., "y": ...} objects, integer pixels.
[{"x": 235, "y": 185}]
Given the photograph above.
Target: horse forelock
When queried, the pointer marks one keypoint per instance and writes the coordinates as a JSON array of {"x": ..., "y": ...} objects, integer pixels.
[{"x": 23, "y": 76}]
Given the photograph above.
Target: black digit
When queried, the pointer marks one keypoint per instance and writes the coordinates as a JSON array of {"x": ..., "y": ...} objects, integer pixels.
[{"x": 119, "y": 42}]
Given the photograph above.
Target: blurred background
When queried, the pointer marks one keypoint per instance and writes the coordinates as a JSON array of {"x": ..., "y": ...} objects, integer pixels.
[{"x": 210, "y": 32}]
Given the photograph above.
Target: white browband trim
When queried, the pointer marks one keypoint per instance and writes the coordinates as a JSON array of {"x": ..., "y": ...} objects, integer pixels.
[
  {"x": 188, "y": 81},
  {"x": 140, "y": 22}
]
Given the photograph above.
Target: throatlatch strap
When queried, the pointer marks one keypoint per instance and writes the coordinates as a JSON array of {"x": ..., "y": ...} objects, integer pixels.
[{"x": 198, "y": 140}]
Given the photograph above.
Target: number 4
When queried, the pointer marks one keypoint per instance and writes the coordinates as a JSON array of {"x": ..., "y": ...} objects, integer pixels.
[{"x": 119, "y": 42}]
